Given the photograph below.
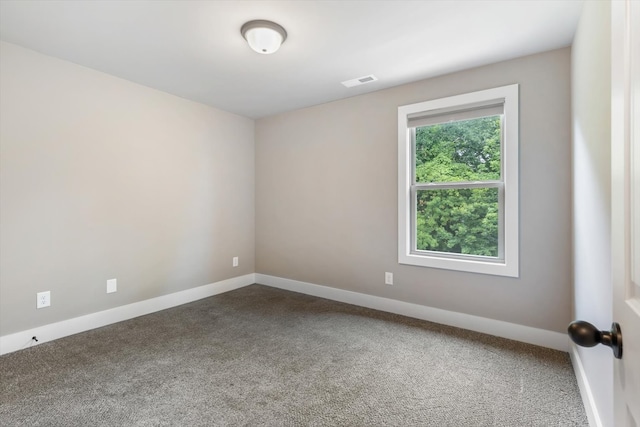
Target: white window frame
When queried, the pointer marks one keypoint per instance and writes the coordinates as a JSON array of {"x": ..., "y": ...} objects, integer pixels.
[{"x": 506, "y": 264}]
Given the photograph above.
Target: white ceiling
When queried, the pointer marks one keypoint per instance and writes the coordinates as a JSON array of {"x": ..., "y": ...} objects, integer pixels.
[{"x": 194, "y": 49}]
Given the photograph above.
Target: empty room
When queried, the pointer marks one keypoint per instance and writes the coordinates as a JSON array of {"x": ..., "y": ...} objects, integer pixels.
[{"x": 320, "y": 213}]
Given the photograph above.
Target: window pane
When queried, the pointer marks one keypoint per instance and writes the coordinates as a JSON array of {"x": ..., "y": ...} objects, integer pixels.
[
  {"x": 461, "y": 221},
  {"x": 467, "y": 150}
]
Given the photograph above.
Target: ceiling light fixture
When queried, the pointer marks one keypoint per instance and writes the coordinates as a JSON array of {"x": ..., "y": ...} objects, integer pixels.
[{"x": 263, "y": 36}]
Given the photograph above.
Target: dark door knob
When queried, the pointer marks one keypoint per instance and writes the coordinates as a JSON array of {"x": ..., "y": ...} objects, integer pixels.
[{"x": 586, "y": 335}]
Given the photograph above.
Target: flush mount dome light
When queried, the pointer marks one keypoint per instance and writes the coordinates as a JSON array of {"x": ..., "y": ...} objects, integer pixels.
[{"x": 263, "y": 36}]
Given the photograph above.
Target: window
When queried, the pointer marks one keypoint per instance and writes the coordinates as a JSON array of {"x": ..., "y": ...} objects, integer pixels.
[{"x": 458, "y": 182}]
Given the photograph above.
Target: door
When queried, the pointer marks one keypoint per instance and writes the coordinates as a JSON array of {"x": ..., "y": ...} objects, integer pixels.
[{"x": 625, "y": 201}]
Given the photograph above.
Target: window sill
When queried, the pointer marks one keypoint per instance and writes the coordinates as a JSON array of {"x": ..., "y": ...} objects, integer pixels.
[{"x": 500, "y": 268}]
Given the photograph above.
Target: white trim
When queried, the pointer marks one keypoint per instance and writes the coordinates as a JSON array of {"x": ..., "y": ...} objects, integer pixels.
[
  {"x": 541, "y": 337},
  {"x": 510, "y": 246},
  {"x": 19, "y": 340},
  {"x": 53, "y": 331},
  {"x": 585, "y": 389}
]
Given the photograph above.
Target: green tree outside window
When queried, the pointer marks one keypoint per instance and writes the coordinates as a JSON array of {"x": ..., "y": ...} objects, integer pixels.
[{"x": 464, "y": 220}]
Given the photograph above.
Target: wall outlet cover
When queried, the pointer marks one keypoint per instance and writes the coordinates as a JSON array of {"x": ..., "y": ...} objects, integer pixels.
[
  {"x": 388, "y": 278},
  {"x": 43, "y": 299},
  {"x": 112, "y": 286}
]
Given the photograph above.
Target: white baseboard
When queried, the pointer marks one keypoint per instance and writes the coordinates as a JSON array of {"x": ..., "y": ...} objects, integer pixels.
[
  {"x": 585, "y": 389},
  {"x": 541, "y": 337},
  {"x": 46, "y": 333},
  {"x": 53, "y": 331}
]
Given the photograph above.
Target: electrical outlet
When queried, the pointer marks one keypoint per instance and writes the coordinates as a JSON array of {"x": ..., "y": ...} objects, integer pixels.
[
  {"x": 112, "y": 286},
  {"x": 235, "y": 261},
  {"x": 388, "y": 278},
  {"x": 43, "y": 299}
]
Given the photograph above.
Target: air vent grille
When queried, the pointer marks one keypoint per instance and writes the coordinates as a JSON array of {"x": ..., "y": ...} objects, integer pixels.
[{"x": 360, "y": 81}]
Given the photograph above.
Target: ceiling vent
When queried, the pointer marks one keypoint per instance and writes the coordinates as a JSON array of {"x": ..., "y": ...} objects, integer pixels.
[{"x": 360, "y": 81}]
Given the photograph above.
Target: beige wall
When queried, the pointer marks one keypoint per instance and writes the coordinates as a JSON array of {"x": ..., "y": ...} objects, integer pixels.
[
  {"x": 101, "y": 178},
  {"x": 326, "y": 197},
  {"x": 591, "y": 99}
]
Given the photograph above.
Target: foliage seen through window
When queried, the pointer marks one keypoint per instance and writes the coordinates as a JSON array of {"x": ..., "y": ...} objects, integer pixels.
[{"x": 462, "y": 220}]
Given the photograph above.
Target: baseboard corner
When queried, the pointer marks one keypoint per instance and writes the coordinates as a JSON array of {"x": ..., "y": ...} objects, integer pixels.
[{"x": 585, "y": 389}]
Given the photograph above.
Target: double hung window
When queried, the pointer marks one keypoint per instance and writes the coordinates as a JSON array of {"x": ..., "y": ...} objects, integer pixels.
[{"x": 458, "y": 182}]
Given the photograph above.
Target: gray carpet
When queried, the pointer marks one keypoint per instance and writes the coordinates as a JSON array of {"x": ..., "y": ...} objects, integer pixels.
[{"x": 259, "y": 356}]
